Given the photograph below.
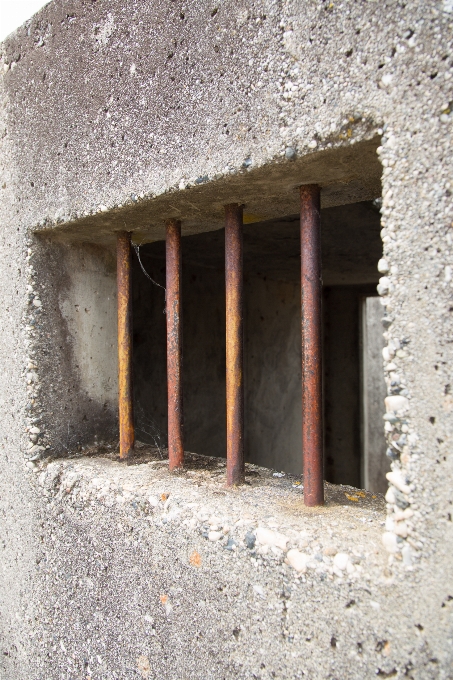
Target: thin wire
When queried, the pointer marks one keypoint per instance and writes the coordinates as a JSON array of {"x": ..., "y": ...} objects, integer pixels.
[{"x": 137, "y": 251}]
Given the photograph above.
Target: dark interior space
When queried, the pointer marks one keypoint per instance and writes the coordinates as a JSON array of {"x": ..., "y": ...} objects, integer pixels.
[{"x": 351, "y": 247}]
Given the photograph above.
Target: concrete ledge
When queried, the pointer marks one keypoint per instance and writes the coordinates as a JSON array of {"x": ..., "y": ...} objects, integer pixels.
[{"x": 159, "y": 575}]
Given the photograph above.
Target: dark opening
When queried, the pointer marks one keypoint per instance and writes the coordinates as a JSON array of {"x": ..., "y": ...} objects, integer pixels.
[{"x": 351, "y": 248}]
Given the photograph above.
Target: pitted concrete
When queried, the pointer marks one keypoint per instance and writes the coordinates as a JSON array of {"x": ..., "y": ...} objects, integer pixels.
[{"x": 110, "y": 110}]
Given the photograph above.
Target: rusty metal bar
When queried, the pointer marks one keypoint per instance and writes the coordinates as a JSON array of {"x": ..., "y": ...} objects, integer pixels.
[
  {"x": 311, "y": 297},
  {"x": 234, "y": 344},
  {"x": 174, "y": 345},
  {"x": 125, "y": 396}
]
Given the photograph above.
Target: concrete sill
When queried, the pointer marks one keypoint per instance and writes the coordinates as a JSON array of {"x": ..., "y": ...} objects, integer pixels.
[{"x": 263, "y": 522}]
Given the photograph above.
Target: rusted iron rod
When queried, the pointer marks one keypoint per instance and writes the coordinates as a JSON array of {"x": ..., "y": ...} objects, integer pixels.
[
  {"x": 234, "y": 344},
  {"x": 174, "y": 345},
  {"x": 311, "y": 297},
  {"x": 125, "y": 396}
]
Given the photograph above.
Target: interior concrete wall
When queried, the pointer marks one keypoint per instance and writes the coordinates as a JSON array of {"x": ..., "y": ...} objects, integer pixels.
[
  {"x": 204, "y": 356},
  {"x": 374, "y": 390},
  {"x": 272, "y": 372},
  {"x": 78, "y": 283},
  {"x": 272, "y": 350}
]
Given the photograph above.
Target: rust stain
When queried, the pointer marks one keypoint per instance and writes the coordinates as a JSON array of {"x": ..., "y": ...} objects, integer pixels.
[
  {"x": 195, "y": 559},
  {"x": 234, "y": 344},
  {"x": 125, "y": 398},
  {"x": 164, "y": 599},
  {"x": 311, "y": 292},
  {"x": 174, "y": 345},
  {"x": 164, "y": 496}
]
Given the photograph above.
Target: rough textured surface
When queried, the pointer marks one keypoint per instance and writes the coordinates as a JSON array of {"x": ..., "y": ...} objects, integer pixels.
[{"x": 109, "y": 111}]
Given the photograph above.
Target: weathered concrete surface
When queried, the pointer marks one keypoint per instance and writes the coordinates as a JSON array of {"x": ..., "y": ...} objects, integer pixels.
[
  {"x": 103, "y": 107},
  {"x": 196, "y": 582},
  {"x": 374, "y": 390}
]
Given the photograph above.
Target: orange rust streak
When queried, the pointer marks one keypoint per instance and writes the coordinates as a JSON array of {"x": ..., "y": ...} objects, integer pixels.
[
  {"x": 174, "y": 345},
  {"x": 125, "y": 403},
  {"x": 234, "y": 344}
]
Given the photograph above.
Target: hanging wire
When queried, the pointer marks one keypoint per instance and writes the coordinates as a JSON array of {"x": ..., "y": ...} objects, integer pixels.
[{"x": 137, "y": 251}]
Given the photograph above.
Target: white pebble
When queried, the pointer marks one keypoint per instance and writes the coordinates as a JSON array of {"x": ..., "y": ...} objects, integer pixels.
[
  {"x": 396, "y": 478},
  {"x": 215, "y": 535},
  {"x": 383, "y": 266},
  {"x": 268, "y": 537},
  {"x": 153, "y": 501},
  {"x": 341, "y": 560},
  {"x": 297, "y": 560},
  {"x": 396, "y": 403},
  {"x": 390, "y": 542}
]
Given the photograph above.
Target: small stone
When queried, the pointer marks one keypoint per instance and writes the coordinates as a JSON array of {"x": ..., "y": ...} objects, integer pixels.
[
  {"x": 390, "y": 542},
  {"x": 290, "y": 153},
  {"x": 37, "y": 302},
  {"x": 297, "y": 560},
  {"x": 250, "y": 540},
  {"x": 390, "y": 495},
  {"x": 384, "y": 285},
  {"x": 31, "y": 465},
  {"x": 386, "y": 79},
  {"x": 313, "y": 144},
  {"x": 392, "y": 454},
  {"x": 341, "y": 561},
  {"x": 231, "y": 544},
  {"x": 35, "y": 430},
  {"x": 396, "y": 403},
  {"x": 215, "y": 535},
  {"x": 383, "y": 266},
  {"x": 268, "y": 537},
  {"x": 401, "y": 529},
  {"x": 259, "y": 590},
  {"x": 330, "y": 551},
  {"x": 407, "y": 555},
  {"x": 396, "y": 478},
  {"x": 153, "y": 501}
]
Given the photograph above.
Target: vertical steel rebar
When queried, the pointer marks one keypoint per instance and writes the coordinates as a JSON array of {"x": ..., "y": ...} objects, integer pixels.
[
  {"x": 311, "y": 297},
  {"x": 234, "y": 344},
  {"x": 174, "y": 345},
  {"x": 125, "y": 396}
]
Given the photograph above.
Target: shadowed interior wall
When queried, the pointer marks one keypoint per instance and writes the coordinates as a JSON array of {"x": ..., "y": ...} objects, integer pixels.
[{"x": 272, "y": 339}]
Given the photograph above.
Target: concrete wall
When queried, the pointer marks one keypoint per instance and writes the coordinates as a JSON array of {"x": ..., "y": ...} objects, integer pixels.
[
  {"x": 78, "y": 348},
  {"x": 273, "y": 374},
  {"x": 126, "y": 113},
  {"x": 204, "y": 356},
  {"x": 374, "y": 390}
]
